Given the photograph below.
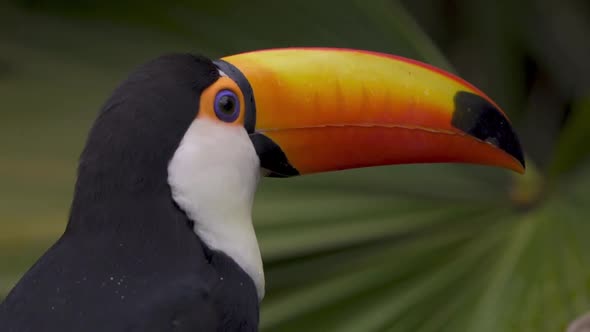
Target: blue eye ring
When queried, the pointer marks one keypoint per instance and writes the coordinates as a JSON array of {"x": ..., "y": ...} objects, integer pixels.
[{"x": 227, "y": 106}]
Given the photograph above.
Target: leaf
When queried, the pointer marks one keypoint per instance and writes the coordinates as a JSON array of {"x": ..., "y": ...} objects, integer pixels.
[
  {"x": 515, "y": 267},
  {"x": 395, "y": 20},
  {"x": 555, "y": 35},
  {"x": 572, "y": 147}
]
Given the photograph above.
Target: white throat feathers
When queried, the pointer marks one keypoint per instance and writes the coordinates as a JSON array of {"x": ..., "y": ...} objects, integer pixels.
[{"x": 213, "y": 176}]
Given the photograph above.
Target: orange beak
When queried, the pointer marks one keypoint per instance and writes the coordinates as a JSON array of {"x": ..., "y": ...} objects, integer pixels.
[{"x": 315, "y": 110}]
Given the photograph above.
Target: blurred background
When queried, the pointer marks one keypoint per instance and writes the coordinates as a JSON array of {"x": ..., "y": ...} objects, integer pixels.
[{"x": 408, "y": 248}]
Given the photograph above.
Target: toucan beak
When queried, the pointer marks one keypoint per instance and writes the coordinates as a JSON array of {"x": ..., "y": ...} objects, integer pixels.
[{"x": 320, "y": 110}]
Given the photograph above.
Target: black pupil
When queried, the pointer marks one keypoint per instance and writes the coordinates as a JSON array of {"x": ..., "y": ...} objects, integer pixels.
[{"x": 227, "y": 104}]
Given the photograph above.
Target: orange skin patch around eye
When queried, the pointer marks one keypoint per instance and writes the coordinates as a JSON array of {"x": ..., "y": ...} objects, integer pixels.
[{"x": 207, "y": 101}]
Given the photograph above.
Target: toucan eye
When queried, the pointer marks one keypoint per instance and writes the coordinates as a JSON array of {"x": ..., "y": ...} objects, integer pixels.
[{"x": 227, "y": 106}]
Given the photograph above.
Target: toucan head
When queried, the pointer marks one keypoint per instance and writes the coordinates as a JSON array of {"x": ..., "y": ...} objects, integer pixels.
[{"x": 207, "y": 130}]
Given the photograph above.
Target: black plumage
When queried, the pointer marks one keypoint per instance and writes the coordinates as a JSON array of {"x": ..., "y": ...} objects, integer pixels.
[{"x": 129, "y": 259}]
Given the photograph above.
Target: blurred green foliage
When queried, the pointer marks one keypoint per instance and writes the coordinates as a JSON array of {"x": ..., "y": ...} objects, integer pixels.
[{"x": 409, "y": 248}]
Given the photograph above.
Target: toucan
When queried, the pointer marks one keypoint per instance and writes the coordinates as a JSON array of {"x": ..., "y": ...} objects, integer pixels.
[{"x": 160, "y": 234}]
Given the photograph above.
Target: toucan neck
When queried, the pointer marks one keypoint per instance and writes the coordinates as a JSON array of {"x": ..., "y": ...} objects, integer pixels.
[
  {"x": 213, "y": 176},
  {"x": 111, "y": 199}
]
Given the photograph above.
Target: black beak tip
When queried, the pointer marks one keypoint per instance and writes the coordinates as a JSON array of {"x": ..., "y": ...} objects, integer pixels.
[{"x": 477, "y": 117}]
